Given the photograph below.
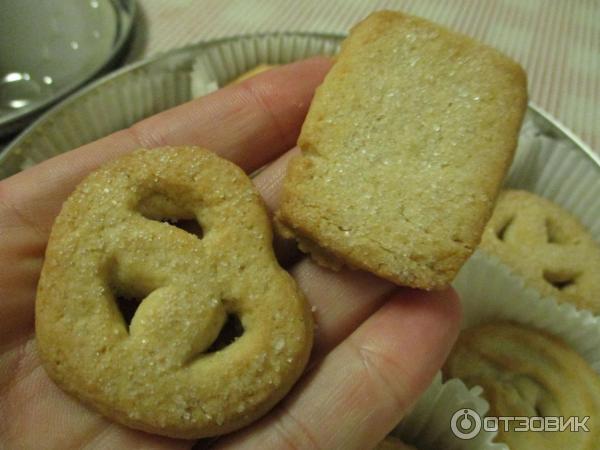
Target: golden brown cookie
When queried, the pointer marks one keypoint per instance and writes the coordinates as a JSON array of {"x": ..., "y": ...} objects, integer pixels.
[
  {"x": 220, "y": 333},
  {"x": 547, "y": 246},
  {"x": 529, "y": 373},
  {"x": 403, "y": 151}
]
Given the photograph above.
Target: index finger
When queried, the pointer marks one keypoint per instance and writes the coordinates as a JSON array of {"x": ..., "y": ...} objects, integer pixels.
[{"x": 249, "y": 123}]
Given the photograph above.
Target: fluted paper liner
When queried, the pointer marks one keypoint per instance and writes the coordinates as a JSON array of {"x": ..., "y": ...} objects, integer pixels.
[
  {"x": 489, "y": 291},
  {"x": 558, "y": 169}
]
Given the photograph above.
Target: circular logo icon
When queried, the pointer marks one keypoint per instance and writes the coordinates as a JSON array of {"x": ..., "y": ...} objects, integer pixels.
[{"x": 465, "y": 424}]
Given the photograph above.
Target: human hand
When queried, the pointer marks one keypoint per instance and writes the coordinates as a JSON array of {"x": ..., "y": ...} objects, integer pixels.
[{"x": 377, "y": 346}]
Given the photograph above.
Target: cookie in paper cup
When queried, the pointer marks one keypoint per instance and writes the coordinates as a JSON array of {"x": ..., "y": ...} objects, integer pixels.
[
  {"x": 542, "y": 393},
  {"x": 492, "y": 294},
  {"x": 545, "y": 226},
  {"x": 547, "y": 246}
]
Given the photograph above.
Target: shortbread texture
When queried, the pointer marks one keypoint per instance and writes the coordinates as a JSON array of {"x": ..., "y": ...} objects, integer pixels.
[
  {"x": 547, "y": 246},
  {"x": 116, "y": 238},
  {"x": 527, "y": 372},
  {"x": 403, "y": 151}
]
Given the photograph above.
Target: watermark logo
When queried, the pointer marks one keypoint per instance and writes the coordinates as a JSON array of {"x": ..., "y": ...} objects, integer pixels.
[{"x": 467, "y": 424}]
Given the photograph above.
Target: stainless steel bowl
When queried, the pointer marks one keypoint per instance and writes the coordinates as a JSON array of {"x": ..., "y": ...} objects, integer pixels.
[{"x": 50, "y": 48}]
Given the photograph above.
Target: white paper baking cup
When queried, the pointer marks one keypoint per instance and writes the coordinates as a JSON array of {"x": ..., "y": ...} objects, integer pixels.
[
  {"x": 560, "y": 169},
  {"x": 428, "y": 425},
  {"x": 490, "y": 292}
]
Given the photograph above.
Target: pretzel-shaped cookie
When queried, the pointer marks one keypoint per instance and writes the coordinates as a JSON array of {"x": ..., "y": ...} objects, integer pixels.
[
  {"x": 527, "y": 372},
  {"x": 172, "y": 370},
  {"x": 547, "y": 246}
]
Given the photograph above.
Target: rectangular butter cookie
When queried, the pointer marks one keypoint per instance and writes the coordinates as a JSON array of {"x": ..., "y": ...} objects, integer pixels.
[{"x": 404, "y": 149}]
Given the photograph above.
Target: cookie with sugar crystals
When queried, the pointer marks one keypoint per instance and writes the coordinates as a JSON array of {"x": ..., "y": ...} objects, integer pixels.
[
  {"x": 161, "y": 303},
  {"x": 404, "y": 149}
]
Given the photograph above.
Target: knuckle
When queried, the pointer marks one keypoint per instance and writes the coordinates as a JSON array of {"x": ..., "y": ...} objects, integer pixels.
[
  {"x": 11, "y": 214},
  {"x": 294, "y": 434},
  {"x": 262, "y": 98},
  {"x": 145, "y": 135},
  {"x": 387, "y": 378}
]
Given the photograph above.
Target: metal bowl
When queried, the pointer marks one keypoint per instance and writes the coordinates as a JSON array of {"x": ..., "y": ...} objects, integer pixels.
[{"x": 50, "y": 48}]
